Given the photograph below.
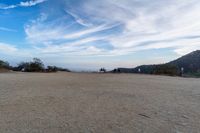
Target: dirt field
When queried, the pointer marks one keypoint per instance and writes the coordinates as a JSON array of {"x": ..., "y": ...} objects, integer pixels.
[{"x": 98, "y": 103}]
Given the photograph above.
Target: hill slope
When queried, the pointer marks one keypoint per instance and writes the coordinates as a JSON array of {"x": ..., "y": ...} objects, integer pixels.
[{"x": 190, "y": 63}]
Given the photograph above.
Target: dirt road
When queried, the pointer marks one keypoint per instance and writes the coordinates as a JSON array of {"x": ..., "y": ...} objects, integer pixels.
[{"x": 98, "y": 103}]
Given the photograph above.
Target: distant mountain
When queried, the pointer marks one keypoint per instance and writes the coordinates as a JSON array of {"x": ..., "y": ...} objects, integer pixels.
[{"x": 189, "y": 63}]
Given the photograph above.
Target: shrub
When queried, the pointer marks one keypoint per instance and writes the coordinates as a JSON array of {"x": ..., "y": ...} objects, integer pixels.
[{"x": 166, "y": 69}]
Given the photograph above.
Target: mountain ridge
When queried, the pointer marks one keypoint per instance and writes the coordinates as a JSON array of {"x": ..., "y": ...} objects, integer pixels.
[{"x": 189, "y": 63}]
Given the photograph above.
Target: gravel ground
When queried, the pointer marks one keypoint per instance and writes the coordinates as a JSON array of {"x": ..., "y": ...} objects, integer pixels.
[{"x": 98, "y": 103}]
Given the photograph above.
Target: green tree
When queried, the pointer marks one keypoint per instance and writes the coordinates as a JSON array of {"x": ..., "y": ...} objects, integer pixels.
[{"x": 34, "y": 66}]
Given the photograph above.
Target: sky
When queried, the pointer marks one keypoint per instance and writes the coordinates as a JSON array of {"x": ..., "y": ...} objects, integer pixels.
[{"x": 89, "y": 34}]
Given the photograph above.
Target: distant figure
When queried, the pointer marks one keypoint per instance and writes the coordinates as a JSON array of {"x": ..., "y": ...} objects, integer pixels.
[
  {"x": 139, "y": 70},
  {"x": 23, "y": 70},
  {"x": 182, "y": 71}
]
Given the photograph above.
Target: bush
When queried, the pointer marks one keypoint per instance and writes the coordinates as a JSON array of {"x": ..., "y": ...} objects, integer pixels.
[
  {"x": 166, "y": 69},
  {"x": 55, "y": 69},
  {"x": 52, "y": 69}
]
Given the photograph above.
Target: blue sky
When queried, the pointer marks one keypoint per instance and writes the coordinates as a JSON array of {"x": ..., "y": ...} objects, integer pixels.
[{"x": 89, "y": 34}]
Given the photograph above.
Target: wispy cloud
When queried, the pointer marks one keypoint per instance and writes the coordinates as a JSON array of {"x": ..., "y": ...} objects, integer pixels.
[
  {"x": 148, "y": 24},
  {"x": 31, "y": 3},
  {"x": 23, "y": 4},
  {"x": 7, "y": 48},
  {"x": 78, "y": 19},
  {"x": 39, "y": 31},
  {"x": 7, "y": 29},
  {"x": 145, "y": 25}
]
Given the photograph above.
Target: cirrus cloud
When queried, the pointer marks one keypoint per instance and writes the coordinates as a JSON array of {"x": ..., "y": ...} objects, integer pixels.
[
  {"x": 23, "y": 4},
  {"x": 144, "y": 25}
]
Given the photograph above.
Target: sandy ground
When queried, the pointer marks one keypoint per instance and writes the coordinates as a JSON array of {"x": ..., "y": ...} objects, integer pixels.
[{"x": 98, "y": 103}]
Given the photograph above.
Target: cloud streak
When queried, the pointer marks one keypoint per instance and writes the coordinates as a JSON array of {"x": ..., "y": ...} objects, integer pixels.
[
  {"x": 23, "y": 4},
  {"x": 7, "y": 29}
]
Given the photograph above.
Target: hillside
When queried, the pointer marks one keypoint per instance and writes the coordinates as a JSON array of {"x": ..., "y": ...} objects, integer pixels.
[{"x": 190, "y": 63}]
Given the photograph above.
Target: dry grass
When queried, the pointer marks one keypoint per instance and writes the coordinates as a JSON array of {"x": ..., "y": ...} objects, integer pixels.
[{"x": 98, "y": 103}]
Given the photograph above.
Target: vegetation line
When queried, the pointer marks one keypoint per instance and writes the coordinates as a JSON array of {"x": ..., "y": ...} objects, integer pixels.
[{"x": 36, "y": 65}]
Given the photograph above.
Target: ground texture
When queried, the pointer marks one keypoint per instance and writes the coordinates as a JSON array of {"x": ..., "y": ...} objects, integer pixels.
[{"x": 98, "y": 103}]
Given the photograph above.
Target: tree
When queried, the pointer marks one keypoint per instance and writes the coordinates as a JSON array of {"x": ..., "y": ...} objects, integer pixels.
[
  {"x": 34, "y": 66},
  {"x": 23, "y": 66},
  {"x": 102, "y": 70}
]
